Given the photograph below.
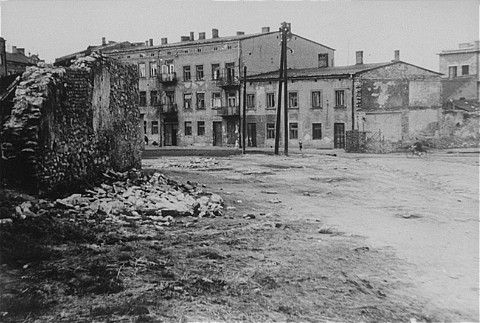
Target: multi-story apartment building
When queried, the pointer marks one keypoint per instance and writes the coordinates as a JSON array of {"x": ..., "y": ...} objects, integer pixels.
[
  {"x": 190, "y": 90},
  {"x": 393, "y": 100},
  {"x": 460, "y": 69}
]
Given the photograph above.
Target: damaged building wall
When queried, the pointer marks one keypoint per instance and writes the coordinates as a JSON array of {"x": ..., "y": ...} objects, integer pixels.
[
  {"x": 397, "y": 102},
  {"x": 68, "y": 125}
]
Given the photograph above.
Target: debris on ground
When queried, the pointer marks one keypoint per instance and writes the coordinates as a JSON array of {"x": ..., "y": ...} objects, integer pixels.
[{"x": 131, "y": 196}]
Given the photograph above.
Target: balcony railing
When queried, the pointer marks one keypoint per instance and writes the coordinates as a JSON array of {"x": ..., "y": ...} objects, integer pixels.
[
  {"x": 167, "y": 78},
  {"x": 227, "y": 79},
  {"x": 169, "y": 108},
  {"x": 227, "y": 111}
]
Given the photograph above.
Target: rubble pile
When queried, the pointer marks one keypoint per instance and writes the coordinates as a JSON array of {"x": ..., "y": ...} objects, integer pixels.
[
  {"x": 195, "y": 163},
  {"x": 131, "y": 196}
]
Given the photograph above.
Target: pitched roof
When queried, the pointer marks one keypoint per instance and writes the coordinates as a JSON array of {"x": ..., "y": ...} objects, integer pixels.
[
  {"x": 206, "y": 41},
  {"x": 18, "y": 58},
  {"x": 109, "y": 46},
  {"x": 334, "y": 71}
]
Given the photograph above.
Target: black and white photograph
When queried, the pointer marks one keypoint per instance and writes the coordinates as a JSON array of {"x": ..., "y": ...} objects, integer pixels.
[{"x": 239, "y": 160}]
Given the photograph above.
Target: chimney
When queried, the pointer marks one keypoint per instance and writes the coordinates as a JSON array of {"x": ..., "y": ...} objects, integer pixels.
[
  {"x": 201, "y": 35},
  {"x": 214, "y": 33},
  {"x": 240, "y": 33},
  {"x": 14, "y": 49},
  {"x": 150, "y": 41},
  {"x": 265, "y": 30},
  {"x": 164, "y": 41},
  {"x": 359, "y": 56},
  {"x": 184, "y": 38},
  {"x": 397, "y": 55},
  {"x": 192, "y": 35},
  {"x": 21, "y": 51},
  {"x": 146, "y": 43},
  {"x": 104, "y": 41}
]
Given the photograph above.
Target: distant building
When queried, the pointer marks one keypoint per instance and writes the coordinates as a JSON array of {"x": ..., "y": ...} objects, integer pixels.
[
  {"x": 105, "y": 46},
  {"x": 190, "y": 90},
  {"x": 461, "y": 72},
  {"x": 15, "y": 62},
  {"x": 393, "y": 101}
]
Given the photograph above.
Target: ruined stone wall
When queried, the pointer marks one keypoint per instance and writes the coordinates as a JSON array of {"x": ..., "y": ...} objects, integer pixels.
[{"x": 60, "y": 134}]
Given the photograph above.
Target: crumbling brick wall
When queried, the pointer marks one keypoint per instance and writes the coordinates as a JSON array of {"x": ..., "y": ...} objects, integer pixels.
[{"x": 59, "y": 135}]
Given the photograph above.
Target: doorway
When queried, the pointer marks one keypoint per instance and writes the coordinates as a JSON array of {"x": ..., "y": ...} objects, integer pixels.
[
  {"x": 217, "y": 133},
  {"x": 339, "y": 135},
  {"x": 252, "y": 135},
  {"x": 170, "y": 134}
]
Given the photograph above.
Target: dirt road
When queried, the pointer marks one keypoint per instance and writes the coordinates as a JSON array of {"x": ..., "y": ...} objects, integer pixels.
[{"x": 423, "y": 211}]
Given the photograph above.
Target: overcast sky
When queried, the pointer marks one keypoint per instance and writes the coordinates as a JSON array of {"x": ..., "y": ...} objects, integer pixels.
[{"x": 419, "y": 29}]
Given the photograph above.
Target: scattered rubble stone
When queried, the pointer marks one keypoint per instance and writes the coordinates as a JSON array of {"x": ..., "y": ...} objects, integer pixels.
[
  {"x": 154, "y": 198},
  {"x": 275, "y": 201},
  {"x": 270, "y": 192}
]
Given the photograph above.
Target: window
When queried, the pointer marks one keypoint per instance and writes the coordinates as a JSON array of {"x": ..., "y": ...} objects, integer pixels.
[
  {"x": 154, "y": 127},
  {"x": 232, "y": 99},
  {"x": 250, "y": 101},
  {"x": 230, "y": 69},
  {"x": 316, "y": 99},
  {"x": 144, "y": 127},
  {"x": 187, "y": 75},
  {"x": 215, "y": 71},
  {"x": 322, "y": 60},
  {"x": 293, "y": 100},
  {"x": 270, "y": 131},
  {"x": 465, "y": 69},
  {"x": 187, "y": 100},
  {"x": 141, "y": 70},
  {"x": 316, "y": 131},
  {"x": 200, "y": 128},
  {"x": 452, "y": 71},
  {"x": 188, "y": 128},
  {"x": 293, "y": 130},
  {"x": 153, "y": 98},
  {"x": 199, "y": 72},
  {"x": 153, "y": 69},
  {"x": 143, "y": 98},
  {"x": 216, "y": 100},
  {"x": 339, "y": 98},
  {"x": 200, "y": 100},
  {"x": 270, "y": 100}
]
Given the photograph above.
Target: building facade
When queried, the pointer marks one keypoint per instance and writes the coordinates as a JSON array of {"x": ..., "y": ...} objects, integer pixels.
[
  {"x": 190, "y": 90},
  {"x": 393, "y": 100},
  {"x": 460, "y": 69}
]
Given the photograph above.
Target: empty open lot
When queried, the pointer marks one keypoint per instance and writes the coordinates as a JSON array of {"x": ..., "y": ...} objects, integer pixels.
[{"x": 424, "y": 211}]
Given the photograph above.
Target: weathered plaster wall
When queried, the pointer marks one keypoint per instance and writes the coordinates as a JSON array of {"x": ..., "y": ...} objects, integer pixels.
[
  {"x": 460, "y": 87},
  {"x": 68, "y": 125},
  {"x": 398, "y": 86},
  {"x": 262, "y": 54},
  {"x": 424, "y": 93},
  {"x": 305, "y": 114}
]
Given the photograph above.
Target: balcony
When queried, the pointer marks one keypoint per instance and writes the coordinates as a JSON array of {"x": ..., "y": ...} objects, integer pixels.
[
  {"x": 169, "y": 109},
  {"x": 227, "y": 79},
  {"x": 229, "y": 111},
  {"x": 167, "y": 78}
]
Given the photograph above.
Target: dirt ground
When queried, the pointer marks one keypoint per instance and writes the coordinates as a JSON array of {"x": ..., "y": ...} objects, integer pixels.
[{"x": 305, "y": 238}]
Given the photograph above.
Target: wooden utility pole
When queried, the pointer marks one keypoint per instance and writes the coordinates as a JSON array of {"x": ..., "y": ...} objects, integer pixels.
[
  {"x": 285, "y": 28},
  {"x": 244, "y": 113},
  {"x": 279, "y": 101}
]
